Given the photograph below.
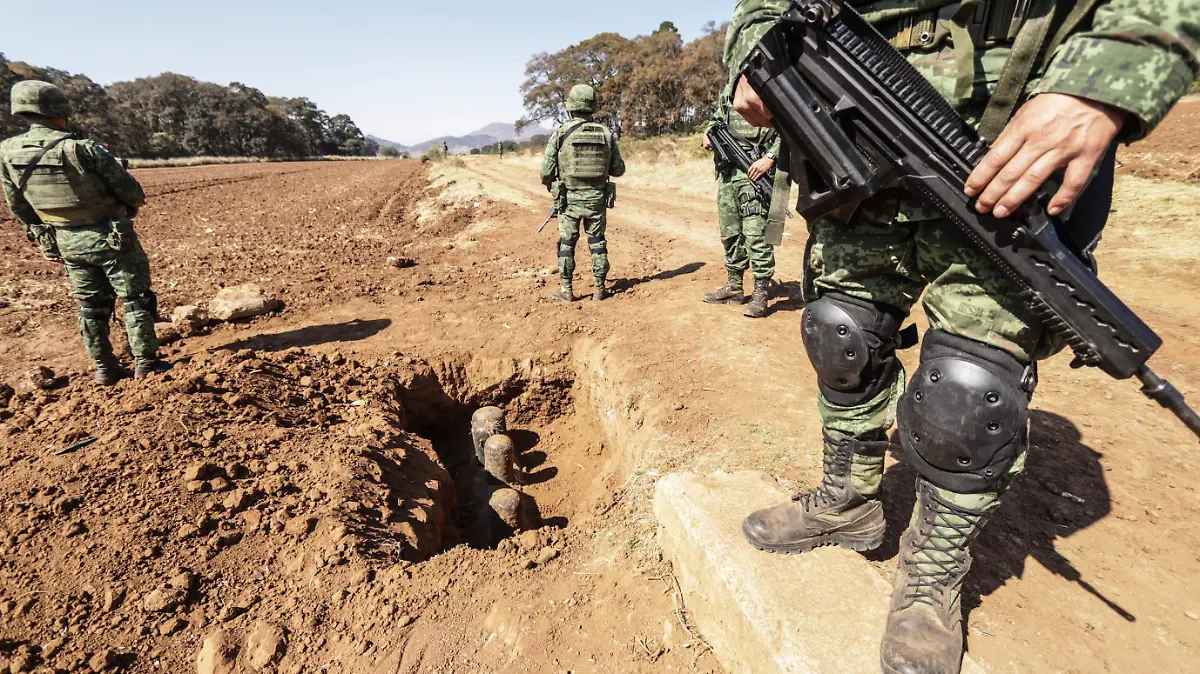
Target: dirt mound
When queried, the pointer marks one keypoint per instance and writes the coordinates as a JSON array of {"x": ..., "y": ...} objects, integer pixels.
[
  {"x": 1172, "y": 152},
  {"x": 260, "y": 493}
]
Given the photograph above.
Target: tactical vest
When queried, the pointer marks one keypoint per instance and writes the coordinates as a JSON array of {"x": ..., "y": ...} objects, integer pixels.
[
  {"x": 586, "y": 155},
  {"x": 59, "y": 185}
]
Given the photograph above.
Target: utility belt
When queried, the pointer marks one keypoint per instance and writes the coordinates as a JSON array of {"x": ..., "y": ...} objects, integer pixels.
[
  {"x": 81, "y": 216},
  {"x": 993, "y": 22}
]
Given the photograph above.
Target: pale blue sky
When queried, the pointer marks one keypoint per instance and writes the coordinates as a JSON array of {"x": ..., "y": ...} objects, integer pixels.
[{"x": 406, "y": 71}]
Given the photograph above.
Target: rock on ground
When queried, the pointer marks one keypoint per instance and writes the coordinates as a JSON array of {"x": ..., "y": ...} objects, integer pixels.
[
  {"x": 218, "y": 655},
  {"x": 241, "y": 301}
]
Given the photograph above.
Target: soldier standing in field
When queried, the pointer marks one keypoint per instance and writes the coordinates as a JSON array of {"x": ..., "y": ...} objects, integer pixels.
[
  {"x": 445, "y": 149},
  {"x": 742, "y": 214},
  {"x": 500, "y": 148},
  {"x": 581, "y": 156},
  {"x": 77, "y": 202},
  {"x": 1081, "y": 77}
]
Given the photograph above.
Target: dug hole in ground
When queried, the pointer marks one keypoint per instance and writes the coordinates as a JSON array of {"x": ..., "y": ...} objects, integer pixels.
[{"x": 300, "y": 494}]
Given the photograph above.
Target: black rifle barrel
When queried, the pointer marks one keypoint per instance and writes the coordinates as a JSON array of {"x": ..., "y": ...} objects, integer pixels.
[
  {"x": 726, "y": 149},
  {"x": 858, "y": 118}
]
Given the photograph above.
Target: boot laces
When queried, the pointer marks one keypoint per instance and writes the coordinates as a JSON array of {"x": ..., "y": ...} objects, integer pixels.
[
  {"x": 833, "y": 464},
  {"x": 940, "y": 550}
]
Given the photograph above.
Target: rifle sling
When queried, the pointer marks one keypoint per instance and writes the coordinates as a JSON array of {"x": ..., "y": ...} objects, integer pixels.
[
  {"x": 28, "y": 172},
  {"x": 1010, "y": 89}
]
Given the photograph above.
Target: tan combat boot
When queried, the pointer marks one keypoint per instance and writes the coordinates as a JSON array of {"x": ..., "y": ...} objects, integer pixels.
[
  {"x": 924, "y": 629},
  {"x": 833, "y": 513},
  {"x": 730, "y": 293},
  {"x": 757, "y": 307},
  {"x": 564, "y": 294}
]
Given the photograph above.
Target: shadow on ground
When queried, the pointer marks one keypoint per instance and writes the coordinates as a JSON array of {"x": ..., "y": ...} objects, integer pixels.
[
  {"x": 623, "y": 284},
  {"x": 333, "y": 333},
  {"x": 1062, "y": 490}
]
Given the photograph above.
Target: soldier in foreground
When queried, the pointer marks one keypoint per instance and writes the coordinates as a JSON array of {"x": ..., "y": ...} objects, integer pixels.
[
  {"x": 742, "y": 214},
  {"x": 77, "y": 202},
  {"x": 1112, "y": 70},
  {"x": 581, "y": 156}
]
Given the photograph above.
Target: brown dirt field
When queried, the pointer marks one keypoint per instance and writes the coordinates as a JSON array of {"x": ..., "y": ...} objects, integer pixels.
[
  {"x": 332, "y": 437},
  {"x": 1171, "y": 152}
]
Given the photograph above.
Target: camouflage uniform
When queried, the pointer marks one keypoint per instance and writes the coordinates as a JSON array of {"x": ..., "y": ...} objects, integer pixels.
[
  {"x": 78, "y": 206},
  {"x": 1134, "y": 55},
  {"x": 584, "y": 200},
  {"x": 742, "y": 214}
]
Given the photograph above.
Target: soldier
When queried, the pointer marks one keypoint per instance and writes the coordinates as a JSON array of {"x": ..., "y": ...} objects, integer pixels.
[
  {"x": 77, "y": 202},
  {"x": 445, "y": 149},
  {"x": 742, "y": 214},
  {"x": 580, "y": 157},
  {"x": 500, "y": 148},
  {"x": 1109, "y": 72}
]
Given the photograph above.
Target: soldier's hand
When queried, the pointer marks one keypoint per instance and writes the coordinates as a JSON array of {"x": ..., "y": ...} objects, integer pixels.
[
  {"x": 749, "y": 105},
  {"x": 706, "y": 142},
  {"x": 1049, "y": 132},
  {"x": 761, "y": 168}
]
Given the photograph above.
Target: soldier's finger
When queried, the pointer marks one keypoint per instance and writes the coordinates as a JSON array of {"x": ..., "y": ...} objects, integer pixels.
[
  {"x": 1075, "y": 180},
  {"x": 1006, "y": 147},
  {"x": 1031, "y": 179},
  {"x": 1012, "y": 171}
]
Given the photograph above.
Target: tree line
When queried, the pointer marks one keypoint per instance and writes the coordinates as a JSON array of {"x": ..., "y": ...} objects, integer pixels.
[
  {"x": 172, "y": 115},
  {"x": 648, "y": 85}
]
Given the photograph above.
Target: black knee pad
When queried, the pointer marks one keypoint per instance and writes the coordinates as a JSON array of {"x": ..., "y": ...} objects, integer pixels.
[
  {"x": 97, "y": 309},
  {"x": 964, "y": 418},
  {"x": 597, "y": 245},
  {"x": 566, "y": 247},
  {"x": 146, "y": 301},
  {"x": 852, "y": 345}
]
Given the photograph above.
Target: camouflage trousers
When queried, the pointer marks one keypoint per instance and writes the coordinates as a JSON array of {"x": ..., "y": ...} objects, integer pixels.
[
  {"x": 895, "y": 251},
  {"x": 586, "y": 210},
  {"x": 101, "y": 273},
  {"x": 743, "y": 223}
]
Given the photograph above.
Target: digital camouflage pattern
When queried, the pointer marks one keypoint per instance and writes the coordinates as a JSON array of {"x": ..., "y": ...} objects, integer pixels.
[
  {"x": 741, "y": 213},
  {"x": 742, "y": 221},
  {"x": 1139, "y": 56},
  {"x": 100, "y": 274},
  {"x": 39, "y": 98},
  {"x": 78, "y": 207},
  {"x": 586, "y": 204}
]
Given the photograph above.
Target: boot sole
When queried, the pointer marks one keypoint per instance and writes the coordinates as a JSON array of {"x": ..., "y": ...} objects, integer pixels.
[
  {"x": 732, "y": 300},
  {"x": 859, "y": 541}
]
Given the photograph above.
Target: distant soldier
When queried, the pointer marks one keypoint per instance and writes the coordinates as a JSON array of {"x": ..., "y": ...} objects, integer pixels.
[
  {"x": 500, "y": 148},
  {"x": 580, "y": 158},
  {"x": 742, "y": 214},
  {"x": 445, "y": 149},
  {"x": 77, "y": 202}
]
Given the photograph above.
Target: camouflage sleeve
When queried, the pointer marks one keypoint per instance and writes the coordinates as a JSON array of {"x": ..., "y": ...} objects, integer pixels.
[
  {"x": 751, "y": 20},
  {"x": 774, "y": 148},
  {"x": 616, "y": 167},
  {"x": 21, "y": 210},
  {"x": 123, "y": 185},
  {"x": 550, "y": 160},
  {"x": 1138, "y": 55}
]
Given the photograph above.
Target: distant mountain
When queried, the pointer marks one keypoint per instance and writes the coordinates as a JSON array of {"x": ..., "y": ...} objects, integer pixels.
[
  {"x": 488, "y": 135},
  {"x": 383, "y": 142}
]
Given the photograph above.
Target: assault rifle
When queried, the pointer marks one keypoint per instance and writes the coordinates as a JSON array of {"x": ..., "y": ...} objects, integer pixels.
[
  {"x": 858, "y": 118},
  {"x": 727, "y": 152}
]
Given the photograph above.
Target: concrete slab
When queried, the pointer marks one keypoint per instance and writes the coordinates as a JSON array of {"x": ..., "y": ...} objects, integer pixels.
[{"x": 820, "y": 612}]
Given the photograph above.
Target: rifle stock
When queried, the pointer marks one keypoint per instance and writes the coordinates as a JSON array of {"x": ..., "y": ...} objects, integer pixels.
[{"x": 859, "y": 118}]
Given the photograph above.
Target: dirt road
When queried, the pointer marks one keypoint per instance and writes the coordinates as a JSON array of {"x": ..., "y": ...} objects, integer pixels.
[{"x": 1090, "y": 565}]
